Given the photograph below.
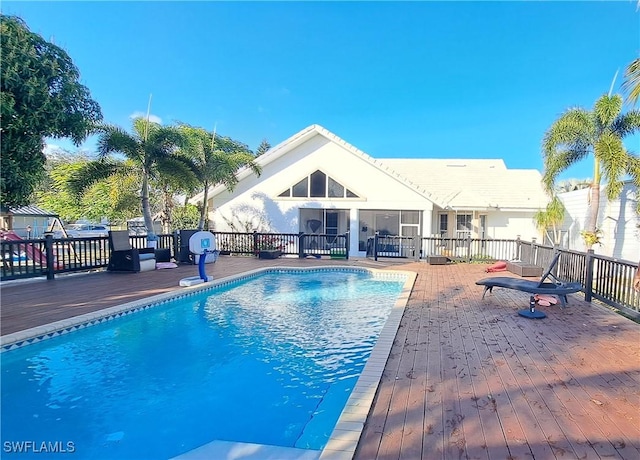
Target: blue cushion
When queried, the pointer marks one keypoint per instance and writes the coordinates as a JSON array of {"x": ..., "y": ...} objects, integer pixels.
[{"x": 147, "y": 257}]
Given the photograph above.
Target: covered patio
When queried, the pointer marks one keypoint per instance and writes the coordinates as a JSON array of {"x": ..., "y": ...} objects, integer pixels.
[{"x": 466, "y": 378}]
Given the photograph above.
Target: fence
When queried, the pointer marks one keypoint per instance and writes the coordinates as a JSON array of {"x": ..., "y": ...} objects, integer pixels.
[
  {"x": 470, "y": 249},
  {"x": 603, "y": 278},
  {"x": 49, "y": 256},
  {"x": 298, "y": 244}
]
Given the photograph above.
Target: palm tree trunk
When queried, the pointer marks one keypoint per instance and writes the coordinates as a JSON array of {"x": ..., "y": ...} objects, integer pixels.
[
  {"x": 594, "y": 205},
  {"x": 146, "y": 211},
  {"x": 203, "y": 210}
]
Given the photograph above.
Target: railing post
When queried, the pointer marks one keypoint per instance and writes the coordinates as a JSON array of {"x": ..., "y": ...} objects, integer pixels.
[
  {"x": 301, "y": 245},
  {"x": 255, "y": 243},
  {"x": 176, "y": 245},
  {"x": 588, "y": 278},
  {"x": 48, "y": 247},
  {"x": 375, "y": 246},
  {"x": 347, "y": 243}
]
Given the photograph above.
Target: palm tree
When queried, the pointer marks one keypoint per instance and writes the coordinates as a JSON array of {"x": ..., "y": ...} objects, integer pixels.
[
  {"x": 215, "y": 160},
  {"x": 579, "y": 133},
  {"x": 551, "y": 218},
  {"x": 150, "y": 152}
]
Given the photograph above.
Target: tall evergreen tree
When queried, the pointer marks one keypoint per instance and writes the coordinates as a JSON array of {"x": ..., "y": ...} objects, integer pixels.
[
  {"x": 263, "y": 147},
  {"x": 40, "y": 97}
]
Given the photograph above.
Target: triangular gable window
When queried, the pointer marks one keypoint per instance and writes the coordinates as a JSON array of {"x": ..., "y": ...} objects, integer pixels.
[{"x": 318, "y": 185}]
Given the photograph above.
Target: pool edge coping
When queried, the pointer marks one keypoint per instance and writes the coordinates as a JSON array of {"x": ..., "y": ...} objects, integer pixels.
[
  {"x": 345, "y": 436},
  {"x": 344, "y": 439}
]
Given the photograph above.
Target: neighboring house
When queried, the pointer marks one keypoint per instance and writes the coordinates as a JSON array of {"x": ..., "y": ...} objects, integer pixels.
[
  {"x": 27, "y": 221},
  {"x": 314, "y": 182},
  {"x": 617, "y": 219}
]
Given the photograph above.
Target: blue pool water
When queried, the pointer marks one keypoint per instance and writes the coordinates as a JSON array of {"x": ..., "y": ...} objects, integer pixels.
[{"x": 270, "y": 360}]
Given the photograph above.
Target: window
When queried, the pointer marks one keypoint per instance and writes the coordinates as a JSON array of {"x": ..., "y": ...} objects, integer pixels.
[
  {"x": 331, "y": 222},
  {"x": 463, "y": 225},
  {"x": 318, "y": 185},
  {"x": 336, "y": 190},
  {"x": 409, "y": 217},
  {"x": 387, "y": 222},
  {"x": 443, "y": 226},
  {"x": 301, "y": 188}
]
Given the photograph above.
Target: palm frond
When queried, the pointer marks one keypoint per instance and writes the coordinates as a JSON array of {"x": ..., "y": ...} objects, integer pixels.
[
  {"x": 627, "y": 123},
  {"x": 607, "y": 109},
  {"x": 178, "y": 172},
  {"x": 631, "y": 84},
  {"x": 142, "y": 128},
  {"x": 114, "y": 139},
  {"x": 610, "y": 152},
  {"x": 161, "y": 143},
  {"x": 90, "y": 173},
  {"x": 569, "y": 139},
  {"x": 633, "y": 169}
]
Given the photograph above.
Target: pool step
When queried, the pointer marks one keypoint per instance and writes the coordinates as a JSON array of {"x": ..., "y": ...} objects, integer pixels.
[{"x": 247, "y": 451}]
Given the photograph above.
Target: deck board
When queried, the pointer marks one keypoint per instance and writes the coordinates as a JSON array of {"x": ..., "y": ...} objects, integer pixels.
[{"x": 466, "y": 378}]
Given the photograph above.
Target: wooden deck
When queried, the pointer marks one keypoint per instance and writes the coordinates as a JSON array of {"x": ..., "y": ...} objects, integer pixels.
[{"x": 467, "y": 378}]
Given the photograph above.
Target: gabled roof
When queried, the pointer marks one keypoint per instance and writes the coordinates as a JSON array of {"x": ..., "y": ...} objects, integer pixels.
[
  {"x": 475, "y": 183},
  {"x": 303, "y": 136},
  {"x": 30, "y": 210},
  {"x": 463, "y": 184}
]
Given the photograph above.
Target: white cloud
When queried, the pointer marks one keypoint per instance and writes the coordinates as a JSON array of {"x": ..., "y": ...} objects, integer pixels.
[
  {"x": 152, "y": 118},
  {"x": 55, "y": 147}
]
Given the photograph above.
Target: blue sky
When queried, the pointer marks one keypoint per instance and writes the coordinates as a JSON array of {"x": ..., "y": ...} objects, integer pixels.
[{"x": 395, "y": 79}]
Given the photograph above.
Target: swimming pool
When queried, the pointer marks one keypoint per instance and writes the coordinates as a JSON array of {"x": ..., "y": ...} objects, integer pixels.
[{"x": 268, "y": 358}]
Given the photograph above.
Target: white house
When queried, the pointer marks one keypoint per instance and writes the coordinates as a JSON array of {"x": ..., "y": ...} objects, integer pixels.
[
  {"x": 617, "y": 220},
  {"x": 314, "y": 182}
]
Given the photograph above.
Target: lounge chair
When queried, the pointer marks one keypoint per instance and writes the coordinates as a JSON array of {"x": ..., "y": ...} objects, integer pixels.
[
  {"x": 124, "y": 257},
  {"x": 554, "y": 287}
]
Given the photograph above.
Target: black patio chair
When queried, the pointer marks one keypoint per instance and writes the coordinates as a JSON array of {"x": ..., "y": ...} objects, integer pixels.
[{"x": 126, "y": 258}]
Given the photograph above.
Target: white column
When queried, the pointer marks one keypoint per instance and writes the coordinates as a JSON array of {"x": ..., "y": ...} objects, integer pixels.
[{"x": 354, "y": 228}]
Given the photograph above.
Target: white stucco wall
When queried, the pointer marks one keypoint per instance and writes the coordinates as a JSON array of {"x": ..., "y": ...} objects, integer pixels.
[
  {"x": 617, "y": 219},
  {"x": 510, "y": 224},
  {"x": 256, "y": 200},
  {"x": 255, "y": 203},
  {"x": 500, "y": 224}
]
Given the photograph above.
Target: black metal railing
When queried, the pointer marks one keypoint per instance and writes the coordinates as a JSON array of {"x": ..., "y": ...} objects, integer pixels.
[
  {"x": 603, "y": 278},
  {"x": 612, "y": 282},
  {"x": 393, "y": 246},
  {"x": 298, "y": 244},
  {"x": 49, "y": 256}
]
